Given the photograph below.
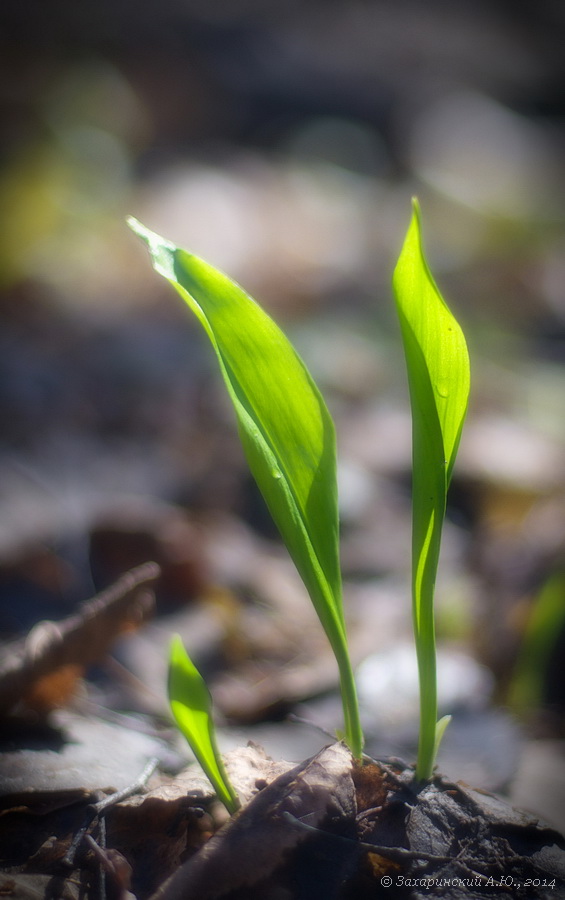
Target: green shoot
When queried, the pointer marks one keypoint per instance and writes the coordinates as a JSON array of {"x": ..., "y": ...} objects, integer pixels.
[
  {"x": 438, "y": 376},
  {"x": 191, "y": 707},
  {"x": 545, "y": 624},
  {"x": 287, "y": 435}
]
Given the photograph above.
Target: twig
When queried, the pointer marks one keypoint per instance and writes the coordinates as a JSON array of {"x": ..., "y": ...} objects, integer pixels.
[
  {"x": 79, "y": 639},
  {"x": 103, "y": 805},
  {"x": 99, "y": 809},
  {"x": 396, "y": 854},
  {"x": 112, "y": 863},
  {"x": 300, "y": 720}
]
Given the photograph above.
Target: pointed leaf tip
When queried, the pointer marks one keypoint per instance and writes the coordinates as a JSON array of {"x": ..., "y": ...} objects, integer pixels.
[
  {"x": 139, "y": 229},
  {"x": 161, "y": 251}
]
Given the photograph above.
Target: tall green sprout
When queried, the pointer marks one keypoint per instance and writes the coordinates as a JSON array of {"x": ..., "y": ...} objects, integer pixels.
[
  {"x": 286, "y": 431},
  {"x": 438, "y": 376}
]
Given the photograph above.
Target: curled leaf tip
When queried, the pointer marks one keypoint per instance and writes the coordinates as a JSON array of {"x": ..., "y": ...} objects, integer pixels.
[{"x": 161, "y": 250}]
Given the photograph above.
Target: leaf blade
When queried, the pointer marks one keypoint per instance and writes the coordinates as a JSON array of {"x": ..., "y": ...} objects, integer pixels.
[
  {"x": 239, "y": 330},
  {"x": 444, "y": 354}
]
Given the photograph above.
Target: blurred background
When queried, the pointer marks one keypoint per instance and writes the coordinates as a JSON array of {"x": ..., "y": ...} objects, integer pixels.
[{"x": 283, "y": 142}]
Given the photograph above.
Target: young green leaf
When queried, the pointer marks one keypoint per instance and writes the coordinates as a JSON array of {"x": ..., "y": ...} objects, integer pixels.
[
  {"x": 544, "y": 626},
  {"x": 192, "y": 709},
  {"x": 438, "y": 376},
  {"x": 286, "y": 431}
]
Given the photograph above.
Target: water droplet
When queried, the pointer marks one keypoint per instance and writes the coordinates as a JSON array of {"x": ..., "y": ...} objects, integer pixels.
[
  {"x": 442, "y": 389},
  {"x": 277, "y": 474}
]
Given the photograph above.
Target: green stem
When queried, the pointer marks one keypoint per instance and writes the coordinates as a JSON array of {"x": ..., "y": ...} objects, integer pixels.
[
  {"x": 329, "y": 606},
  {"x": 352, "y": 721},
  {"x": 426, "y": 653},
  {"x": 427, "y": 525}
]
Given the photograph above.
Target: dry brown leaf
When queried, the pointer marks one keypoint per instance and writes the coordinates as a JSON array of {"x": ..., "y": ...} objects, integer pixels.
[{"x": 261, "y": 848}]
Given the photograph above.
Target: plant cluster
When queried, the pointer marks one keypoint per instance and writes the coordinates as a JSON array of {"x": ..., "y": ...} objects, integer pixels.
[{"x": 288, "y": 437}]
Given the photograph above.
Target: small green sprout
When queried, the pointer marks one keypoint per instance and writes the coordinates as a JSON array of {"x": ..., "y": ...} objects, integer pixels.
[
  {"x": 438, "y": 376},
  {"x": 191, "y": 707}
]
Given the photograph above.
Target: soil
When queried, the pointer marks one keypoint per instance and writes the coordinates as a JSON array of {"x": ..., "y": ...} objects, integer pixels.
[
  {"x": 327, "y": 828},
  {"x": 333, "y": 829}
]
